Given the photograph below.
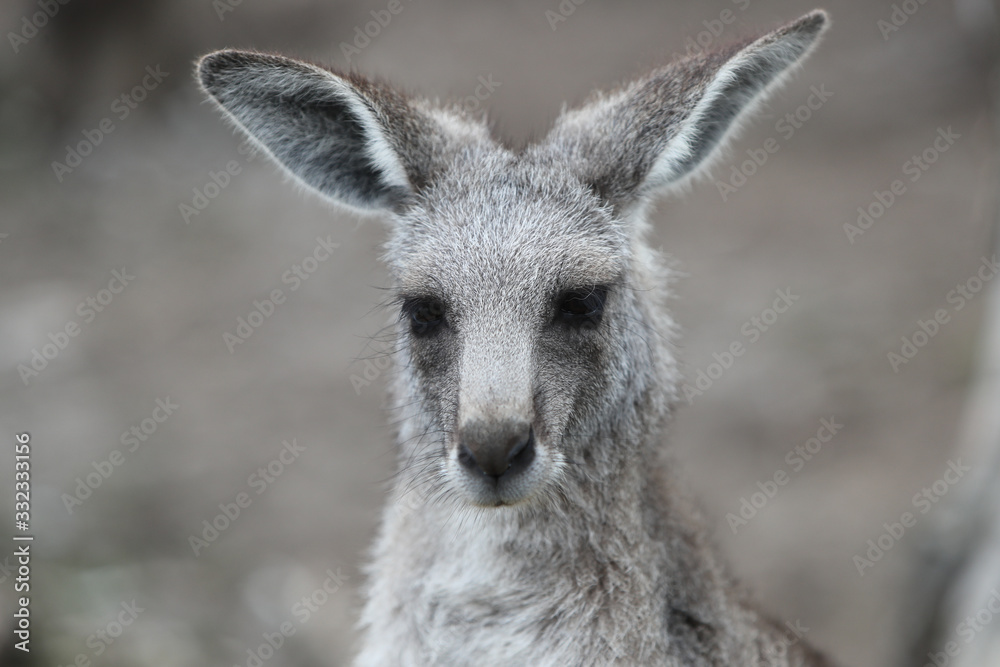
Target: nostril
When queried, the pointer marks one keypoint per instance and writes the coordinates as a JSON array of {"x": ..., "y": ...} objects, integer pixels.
[
  {"x": 467, "y": 458},
  {"x": 521, "y": 456}
]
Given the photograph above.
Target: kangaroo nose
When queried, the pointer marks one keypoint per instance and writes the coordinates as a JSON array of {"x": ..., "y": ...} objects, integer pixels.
[{"x": 497, "y": 450}]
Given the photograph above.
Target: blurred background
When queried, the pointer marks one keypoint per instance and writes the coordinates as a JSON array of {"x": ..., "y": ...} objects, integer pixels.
[{"x": 136, "y": 231}]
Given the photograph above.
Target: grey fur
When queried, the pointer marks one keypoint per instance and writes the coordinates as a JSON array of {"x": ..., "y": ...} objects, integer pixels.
[{"x": 590, "y": 555}]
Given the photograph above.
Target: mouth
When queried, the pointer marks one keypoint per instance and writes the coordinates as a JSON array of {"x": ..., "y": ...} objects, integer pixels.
[
  {"x": 497, "y": 503},
  {"x": 489, "y": 492}
]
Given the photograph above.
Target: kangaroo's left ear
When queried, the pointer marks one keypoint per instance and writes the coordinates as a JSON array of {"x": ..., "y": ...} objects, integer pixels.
[
  {"x": 659, "y": 129},
  {"x": 355, "y": 141}
]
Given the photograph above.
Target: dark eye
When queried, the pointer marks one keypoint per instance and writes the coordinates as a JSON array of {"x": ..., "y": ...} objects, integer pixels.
[
  {"x": 582, "y": 307},
  {"x": 426, "y": 314}
]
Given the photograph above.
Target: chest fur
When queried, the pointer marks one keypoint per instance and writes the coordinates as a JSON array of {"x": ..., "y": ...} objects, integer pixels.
[{"x": 503, "y": 597}]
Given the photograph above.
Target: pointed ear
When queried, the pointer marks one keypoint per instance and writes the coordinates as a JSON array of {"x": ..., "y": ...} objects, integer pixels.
[
  {"x": 659, "y": 129},
  {"x": 356, "y": 142}
]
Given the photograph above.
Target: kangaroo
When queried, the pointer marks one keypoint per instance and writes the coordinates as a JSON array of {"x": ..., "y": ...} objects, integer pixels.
[{"x": 535, "y": 520}]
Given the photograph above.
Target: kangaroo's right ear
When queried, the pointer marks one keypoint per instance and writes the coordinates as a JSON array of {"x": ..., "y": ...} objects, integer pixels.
[
  {"x": 354, "y": 141},
  {"x": 660, "y": 129}
]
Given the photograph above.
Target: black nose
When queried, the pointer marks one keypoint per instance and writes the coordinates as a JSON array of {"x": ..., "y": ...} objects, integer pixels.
[{"x": 497, "y": 450}]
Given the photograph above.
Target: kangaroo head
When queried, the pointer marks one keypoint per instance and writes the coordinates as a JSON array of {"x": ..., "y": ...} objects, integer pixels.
[{"x": 529, "y": 319}]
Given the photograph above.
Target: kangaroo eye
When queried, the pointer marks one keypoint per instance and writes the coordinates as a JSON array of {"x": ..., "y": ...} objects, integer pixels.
[
  {"x": 426, "y": 314},
  {"x": 582, "y": 307}
]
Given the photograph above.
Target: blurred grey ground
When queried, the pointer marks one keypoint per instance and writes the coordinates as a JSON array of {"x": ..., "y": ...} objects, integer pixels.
[{"x": 162, "y": 336}]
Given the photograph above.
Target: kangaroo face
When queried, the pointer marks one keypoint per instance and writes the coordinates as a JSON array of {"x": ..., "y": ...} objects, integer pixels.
[
  {"x": 510, "y": 283},
  {"x": 528, "y": 315}
]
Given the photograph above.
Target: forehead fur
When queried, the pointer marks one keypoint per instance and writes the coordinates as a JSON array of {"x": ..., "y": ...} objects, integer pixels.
[{"x": 505, "y": 218}]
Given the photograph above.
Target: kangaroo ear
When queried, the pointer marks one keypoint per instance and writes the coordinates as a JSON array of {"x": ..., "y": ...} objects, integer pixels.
[
  {"x": 661, "y": 128},
  {"x": 354, "y": 141}
]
